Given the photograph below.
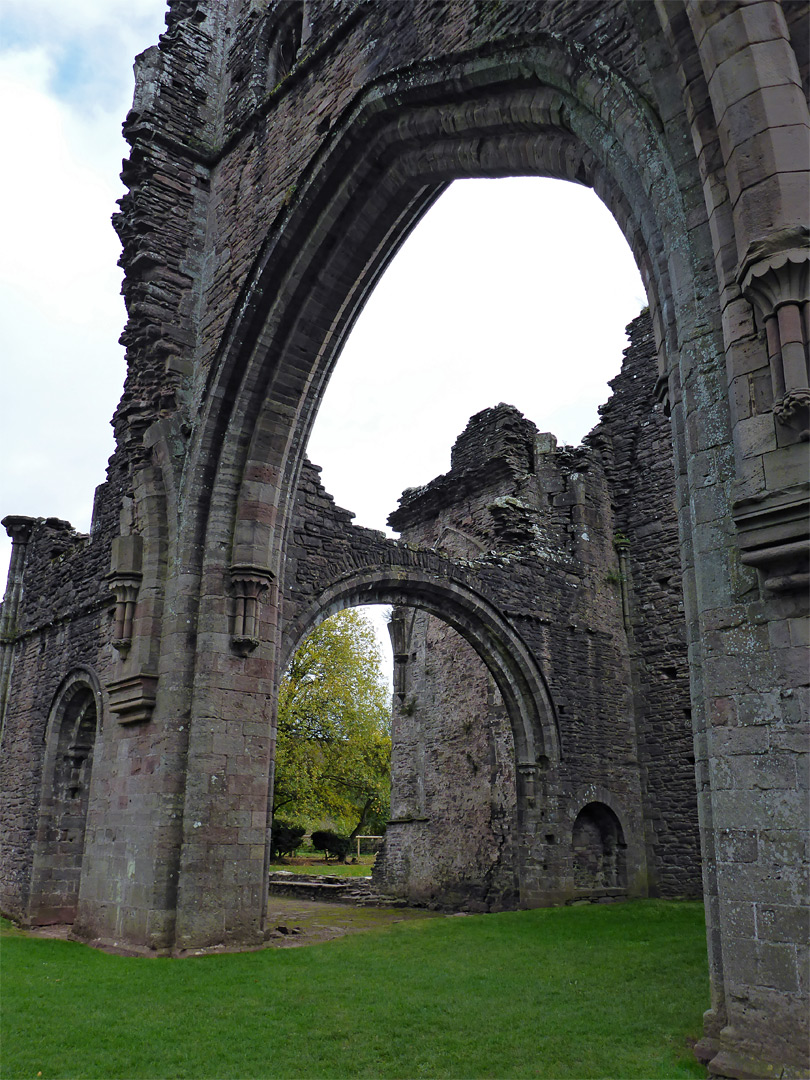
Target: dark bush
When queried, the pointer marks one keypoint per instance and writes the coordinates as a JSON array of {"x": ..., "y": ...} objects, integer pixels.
[
  {"x": 331, "y": 843},
  {"x": 285, "y": 839}
]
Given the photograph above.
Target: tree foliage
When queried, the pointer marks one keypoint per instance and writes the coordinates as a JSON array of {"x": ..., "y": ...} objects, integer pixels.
[{"x": 333, "y": 753}]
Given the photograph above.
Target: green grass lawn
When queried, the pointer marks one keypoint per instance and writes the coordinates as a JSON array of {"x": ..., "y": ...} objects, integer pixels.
[
  {"x": 610, "y": 991},
  {"x": 315, "y": 863}
]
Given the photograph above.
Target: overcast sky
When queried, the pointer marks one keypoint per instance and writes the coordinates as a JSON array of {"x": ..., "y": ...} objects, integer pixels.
[{"x": 508, "y": 290}]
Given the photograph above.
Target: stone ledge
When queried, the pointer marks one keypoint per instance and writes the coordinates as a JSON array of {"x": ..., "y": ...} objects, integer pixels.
[{"x": 774, "y": 536}]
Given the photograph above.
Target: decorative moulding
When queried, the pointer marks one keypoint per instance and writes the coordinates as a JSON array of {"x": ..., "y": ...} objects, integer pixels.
[
  {"x": 124, "y": 580},
  {"x": 774, "y": 537},
  {"x": 248, "y": 583},
  {"x": 779, "y": 278},
  {"x": 777, "y": 285}
]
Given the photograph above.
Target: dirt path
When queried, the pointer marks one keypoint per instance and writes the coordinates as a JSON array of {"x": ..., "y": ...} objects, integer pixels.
[{"x": 308, "y": 922}]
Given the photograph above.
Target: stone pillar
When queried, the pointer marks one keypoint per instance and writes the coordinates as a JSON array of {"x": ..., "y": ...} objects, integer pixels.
[{"x": 19, "y": 529}]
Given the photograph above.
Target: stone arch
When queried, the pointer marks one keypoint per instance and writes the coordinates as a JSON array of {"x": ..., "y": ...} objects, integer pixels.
[
  {"x": 545, "y": 113},
  {"x": 521, "y": 683},
  {"x": 548, "y": 110},
  {"x": 598, "y": 850},
  {"x": 71, "y": 737}
]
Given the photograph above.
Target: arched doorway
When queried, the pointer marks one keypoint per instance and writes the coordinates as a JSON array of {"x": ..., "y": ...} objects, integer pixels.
[
  {"x": 59, "y": 847},
  {"x": 506, "y": 770}
]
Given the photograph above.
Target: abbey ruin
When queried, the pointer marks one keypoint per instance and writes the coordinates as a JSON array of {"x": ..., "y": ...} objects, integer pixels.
[{"x": 627, "y": 620}]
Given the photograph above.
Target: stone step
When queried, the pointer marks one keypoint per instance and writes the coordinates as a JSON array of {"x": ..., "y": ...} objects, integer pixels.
[{"x": 330, "y": 888}]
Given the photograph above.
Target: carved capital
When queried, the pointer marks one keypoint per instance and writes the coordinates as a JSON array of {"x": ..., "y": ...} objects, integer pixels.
[
  {"x": 133, "y": 698},
  {"x": 248, "y": 583},
  {"x": 794, "y": 409},
  {"x": 19, "y": 528},
  {"x": 780, "y": 277},
  {"x": 399, "y": 631},
  {"x": 777, "y": 285}
]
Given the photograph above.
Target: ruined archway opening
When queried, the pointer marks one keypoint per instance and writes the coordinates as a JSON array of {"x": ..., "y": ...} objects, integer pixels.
[
  {"x": 332, "y": 765},
  {"x": 59, "y": 846},
  {"x": 446, "y": 808},
  {"x": 465, "y": 768},
  {"x": 514, "y": 289}
]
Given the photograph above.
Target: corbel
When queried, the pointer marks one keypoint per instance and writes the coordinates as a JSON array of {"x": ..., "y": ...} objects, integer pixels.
[
  {"x": 132, "y": 698},
  {"x": 124, "y": 580},
  {"x": 528, "y": 771},
  {"x": 248, "y": 583}
]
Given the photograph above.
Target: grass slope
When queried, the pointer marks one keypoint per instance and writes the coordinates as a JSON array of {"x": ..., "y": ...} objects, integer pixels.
[{"x": 599, "y": 991}]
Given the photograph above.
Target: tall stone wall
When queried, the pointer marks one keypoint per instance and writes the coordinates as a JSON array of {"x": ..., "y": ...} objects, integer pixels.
[
  {"x": 450, "y": 841},
  {"x": 590, "y": 537},
  {"x": 634, "y": 442}
]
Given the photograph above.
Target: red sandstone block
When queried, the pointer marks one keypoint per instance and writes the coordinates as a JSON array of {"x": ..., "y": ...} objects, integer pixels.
[
  {"x": 755, "y": 436},
  {"x": 722, "y": 712}
]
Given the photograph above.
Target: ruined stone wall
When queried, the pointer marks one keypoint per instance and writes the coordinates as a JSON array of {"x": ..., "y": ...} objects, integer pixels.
[
  {"x": 635, "y": 443},
  {"x": 600, "y": 605},
  {"x": 280, "y": 156},
  {"x": 221, "y": 78},
  {"x": 451, "y": 837},
  {"x": 62, "y": 626}
]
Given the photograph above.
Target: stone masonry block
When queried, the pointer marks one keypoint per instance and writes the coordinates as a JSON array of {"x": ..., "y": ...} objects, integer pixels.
[
  {"x": 741, "y": 27},
  {"x": 738, "y": 919},
  {"x": 776, "y": 966},
  {"x": 777, "y": 922},
  {"x": 755, "y": 436},
  {"x": 736, "y": 845}
]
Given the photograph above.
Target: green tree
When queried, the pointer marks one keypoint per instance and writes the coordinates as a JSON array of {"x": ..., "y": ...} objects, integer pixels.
[{"x": 333, "y": 752}]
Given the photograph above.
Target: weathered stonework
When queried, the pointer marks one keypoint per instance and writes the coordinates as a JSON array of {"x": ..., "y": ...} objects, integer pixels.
[
  {"x": 280, "y": 154},
  {"x": 589, "y": 538}
]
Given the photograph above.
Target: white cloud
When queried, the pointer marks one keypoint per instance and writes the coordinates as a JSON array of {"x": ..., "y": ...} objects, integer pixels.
[{"x": 66, "y": 83}]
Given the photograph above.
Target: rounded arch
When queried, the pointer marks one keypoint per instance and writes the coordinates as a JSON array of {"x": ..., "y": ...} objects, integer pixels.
[
  {"x": 598, "y": 849},
  {"x": 71, "y": 738},
  {"x": 79, "y": 681},
  {"x": 521, "y": 683}
]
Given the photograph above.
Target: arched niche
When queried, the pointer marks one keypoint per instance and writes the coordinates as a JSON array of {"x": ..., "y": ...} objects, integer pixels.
[
  {"x": 70, "y": 743},
  {"x": 598, "y": 847}
]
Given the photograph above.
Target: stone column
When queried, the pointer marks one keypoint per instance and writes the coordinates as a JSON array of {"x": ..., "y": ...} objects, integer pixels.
[{"x": 19, "y": 529}]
